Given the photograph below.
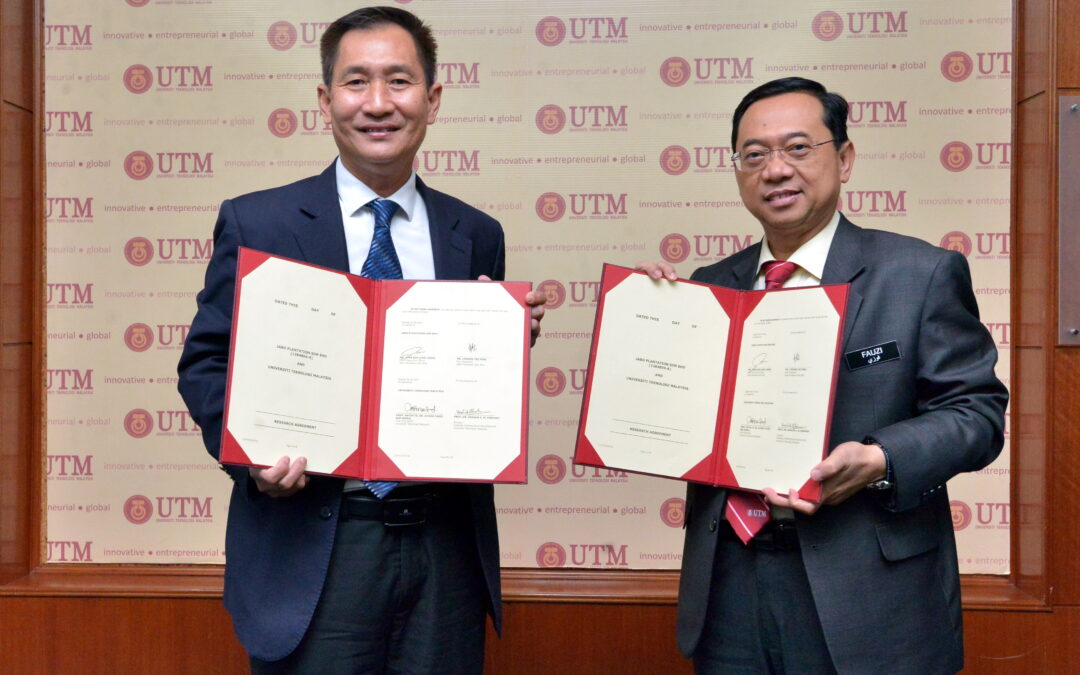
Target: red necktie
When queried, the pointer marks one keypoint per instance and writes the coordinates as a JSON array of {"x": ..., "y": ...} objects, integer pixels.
[{"x": 748, "y": 512}]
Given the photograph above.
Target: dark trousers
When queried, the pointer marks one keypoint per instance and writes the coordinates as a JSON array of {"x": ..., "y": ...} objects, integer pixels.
[
  {"x": 398, "y": 600},
  {"x": 761, "y": 616}
]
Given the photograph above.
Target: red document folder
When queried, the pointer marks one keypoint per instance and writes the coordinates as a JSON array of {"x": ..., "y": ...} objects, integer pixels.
[
  {"x": 709, "y": 384},
  {"x": 309, "y": 374}
]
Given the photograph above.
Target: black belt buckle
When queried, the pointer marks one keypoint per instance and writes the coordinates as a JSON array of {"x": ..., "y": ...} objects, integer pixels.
[
  {"x": 784, "y": 535},
  {"x": 406, "y": 511}
]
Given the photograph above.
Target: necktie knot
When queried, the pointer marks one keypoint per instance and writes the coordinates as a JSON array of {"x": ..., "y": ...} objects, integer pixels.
[
  {"x": 777, "y": 272},
  {"x": 384, "y": 210}
]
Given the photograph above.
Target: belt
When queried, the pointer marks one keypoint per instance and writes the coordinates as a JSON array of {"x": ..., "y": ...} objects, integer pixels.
[
  {"x": 777, "y": 535},
  {"x": 405, "y": 506}
]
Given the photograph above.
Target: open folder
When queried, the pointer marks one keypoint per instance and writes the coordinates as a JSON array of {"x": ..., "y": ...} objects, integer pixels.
[{"x": 710, "y": 384}]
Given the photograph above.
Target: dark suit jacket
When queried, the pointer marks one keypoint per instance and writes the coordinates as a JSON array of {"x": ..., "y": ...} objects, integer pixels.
[
  {"x": 277, "y": 550},
  {"x": 883, "y": 575}
]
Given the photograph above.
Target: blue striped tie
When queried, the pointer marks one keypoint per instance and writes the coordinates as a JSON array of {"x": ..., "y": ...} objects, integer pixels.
[{"x": 382, "y": 263}]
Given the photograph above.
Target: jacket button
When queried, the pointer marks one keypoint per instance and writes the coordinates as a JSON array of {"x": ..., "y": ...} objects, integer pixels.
[
  {"x": 326, "y": 512},
  {"x": 712, "y": 525}
]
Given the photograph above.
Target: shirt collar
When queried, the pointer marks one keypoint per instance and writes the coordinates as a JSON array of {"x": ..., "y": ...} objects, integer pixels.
[
  {"x": 811, "y": 256},
  {"x": 353, "y": 194}
]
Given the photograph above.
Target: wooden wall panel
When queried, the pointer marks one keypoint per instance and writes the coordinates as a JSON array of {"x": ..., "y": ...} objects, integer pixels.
[
  {"x": 1033, "y": 48},
  {"x": 1068, "y": 32},
  {"x": 1031, "y": 209},
  {"x": 18, "y": 78},
  {"x": 1066, "y": 468}
]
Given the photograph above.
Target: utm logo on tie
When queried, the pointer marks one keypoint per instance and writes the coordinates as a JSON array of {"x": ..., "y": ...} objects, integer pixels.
[
  {"x": 957, "y": 66},
  {"x": 550, "y": 381},
  {"x": 550, "y": 31},
  {"x": 550, "y": 119},
  {"x": 282, "y": 122},
  {"x": 138, "y": 165},
  {"x": 673, "y": 512},
  {"x": 553, "y": 292},
  {"x": 675, "y": 71},
  {"x": 138, "y": 79},
  {"x": 550, "y": 554},
  {"x": 139, "y": 337},
  {"x": 281, "y": 35},
  {"x": 137, "y": 423},
  {"x": 138, "y": 251},
  {"x": 138, "y": 509},
  {"x": 674, "y": 160},
  {"x": 827, "y": 26},
  {"x": 550, "y": 469},
  {"x": 674, "y": 248},
  {"x": 956, "y": 156},
  {"x": 550, "y": 206},
  {"x": 957, "y": 241}
]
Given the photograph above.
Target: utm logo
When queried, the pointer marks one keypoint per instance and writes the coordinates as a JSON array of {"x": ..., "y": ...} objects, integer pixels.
[
  {"x": 138, "y": 423},
  {"x": 956, "y": 156},
  {"x": 961, "y": 514},
  {"x": 550, "y": 119},
  {"x": 674, "y": 248},
  {"x": 674, "y": 160},
  {"x": 550, "y": 469},
  {"x": 282, "y": 122},
  {"x": 138, "y": 3},
  {"x": 138, "y": 79},
  {"x": 550, "y": 206},
  {"x": 675, "y": 71},
  {"x": 138, "y": 509},
  {"x": 827, "y": 26},
  {"x": 550, "y": 554},
  {"x": 957, "y": 66},
  {"x": 673, "y": 512},
  {"x": 139, "y": 337},
  {"x": 281, "y": 35},
  {"x": 550, "y": 381},
  {"x": 553, "y": 292},
  {"x": 139, "y": 251},
  {"x": 550, "y": 31},
  {"x": 957, "y": 241},
  {"x": 138, "y": 165}
]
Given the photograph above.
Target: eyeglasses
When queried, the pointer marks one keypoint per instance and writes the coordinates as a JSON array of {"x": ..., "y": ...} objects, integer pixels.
[{"x": 756, "y": 159}]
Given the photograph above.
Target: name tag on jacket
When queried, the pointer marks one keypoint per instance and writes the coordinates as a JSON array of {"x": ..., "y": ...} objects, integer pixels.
[{"x": 871, "y": 356}]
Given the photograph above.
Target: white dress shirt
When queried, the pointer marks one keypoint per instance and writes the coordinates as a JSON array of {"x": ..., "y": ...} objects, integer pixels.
[{"x": 810, "y": 258}]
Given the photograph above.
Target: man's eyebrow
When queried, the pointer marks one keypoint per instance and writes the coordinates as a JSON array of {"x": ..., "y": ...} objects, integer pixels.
[
  {"x": 358, "y": 69},
  {"x": 790, "y": 135}
]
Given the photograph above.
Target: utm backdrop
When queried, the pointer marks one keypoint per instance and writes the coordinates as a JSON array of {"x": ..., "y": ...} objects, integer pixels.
[{"x": 594, "y": 131}]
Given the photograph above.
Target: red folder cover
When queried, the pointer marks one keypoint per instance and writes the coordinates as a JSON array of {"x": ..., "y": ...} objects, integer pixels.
[
  {"x": 261, "y": 426},
  {"x": 644, "y": 368}
]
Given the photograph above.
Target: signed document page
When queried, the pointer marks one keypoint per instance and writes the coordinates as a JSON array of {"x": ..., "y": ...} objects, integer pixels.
[
  {"x": 656, "y": 376},
  {"x": 780, "y": 406},
  {"x": 453, "y": 373},
  {"x": 297, "y": 365}
]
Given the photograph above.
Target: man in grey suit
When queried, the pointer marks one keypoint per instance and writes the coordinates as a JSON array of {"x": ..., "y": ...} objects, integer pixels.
[{"x": 867, "y": 580}]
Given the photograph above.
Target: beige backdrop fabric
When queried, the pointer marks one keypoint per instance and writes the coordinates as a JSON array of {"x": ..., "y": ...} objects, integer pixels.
[{"x": 595, "y": 131}]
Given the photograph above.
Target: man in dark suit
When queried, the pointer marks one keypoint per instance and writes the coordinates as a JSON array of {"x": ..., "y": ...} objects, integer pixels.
[
  {"x": 325, "y": 575},
  {"x": 867, "y": 580}
]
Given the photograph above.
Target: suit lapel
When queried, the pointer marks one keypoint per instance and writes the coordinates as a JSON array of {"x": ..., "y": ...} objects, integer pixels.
[
  {"x": 452, "y": 251},
  {"x": 744, "y": 273},
  {"x": 319, "y": 231},
  {"x": 844, "y": 264}
]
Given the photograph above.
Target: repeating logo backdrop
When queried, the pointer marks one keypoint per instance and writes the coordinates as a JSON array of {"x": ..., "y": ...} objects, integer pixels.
[{"x": 594, "y": 131}]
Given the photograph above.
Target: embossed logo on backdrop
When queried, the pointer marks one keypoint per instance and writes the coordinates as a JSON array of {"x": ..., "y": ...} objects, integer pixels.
[
  {"x": 674, "y": 160},
  {"x": 282, "y": 122},
  {"x": 675, "y": 71},
  {"x": 827, "y": 26},
  {"x": 550, "y": 206},
  {"x": 550, "y": 381},
  {"x": 955, "y": 156},
  {"x": 553, "y": 291},
  {"x": 139, "y": 251},
  {"x": 138, "y": 509},
  {"x": 550, "y": 31},
  {"x": 550, "y": 469},
  {"x": 957, "y": 241},
  {"x": 139, "y": 337},
  {"x": 550, "y": 554},
  {"x": 961, "y": 514},
  {"x": 673, "y": 512},
  {"x": 138, "y": 3},
  {"x": 138, "y": 79},
  {"x": 281, "y": 35},
  {"x": 674, "y": 248},
  {"x": 957, "y": 66},
  {"x": 138, "y": 423},
  {"x": 550, "y": 119},
  {"x": 138, "y": 165}
]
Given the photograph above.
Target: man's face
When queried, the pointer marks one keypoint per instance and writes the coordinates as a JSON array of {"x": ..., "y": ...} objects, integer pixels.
[
  {"x": 792, "y": 201},
  {"x": 378, "y": 104}
]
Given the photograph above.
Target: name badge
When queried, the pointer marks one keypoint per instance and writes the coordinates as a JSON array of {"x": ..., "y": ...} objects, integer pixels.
[{"x": 871, "y": 356}]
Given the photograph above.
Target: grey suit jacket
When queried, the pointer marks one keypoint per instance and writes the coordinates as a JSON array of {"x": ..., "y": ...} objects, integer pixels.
[{"x": 884, "y": 576}]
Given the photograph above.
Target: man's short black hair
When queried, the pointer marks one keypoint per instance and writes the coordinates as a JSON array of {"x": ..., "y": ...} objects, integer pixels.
[
  {"x": 373, "y": 17},
  {"x": 835, "y": 106}
]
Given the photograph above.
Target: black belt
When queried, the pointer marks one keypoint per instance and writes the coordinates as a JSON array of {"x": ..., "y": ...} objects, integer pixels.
[
  {"x": 777, "y": 535},
  {"x": 405, "y": 506}
]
